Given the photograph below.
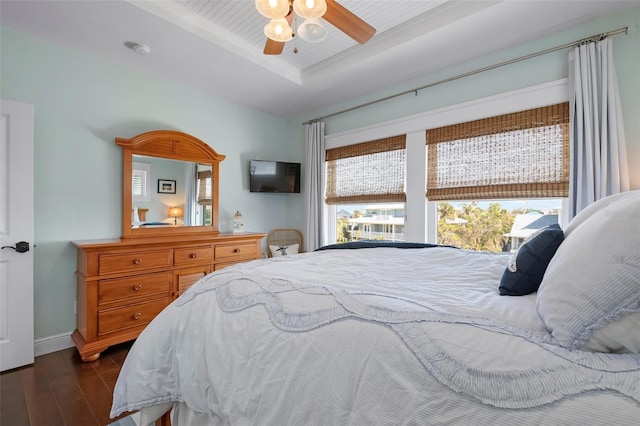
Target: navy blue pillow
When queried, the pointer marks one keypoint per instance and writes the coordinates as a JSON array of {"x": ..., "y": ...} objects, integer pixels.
[{"x": 526, "y": 267}]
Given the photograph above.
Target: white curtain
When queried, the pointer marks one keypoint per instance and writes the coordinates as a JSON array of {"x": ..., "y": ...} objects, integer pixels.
[
  {"x": 598, "y": 152},
  {"x": 191, "y": 201},
  {"x": 314, "y": 184}
]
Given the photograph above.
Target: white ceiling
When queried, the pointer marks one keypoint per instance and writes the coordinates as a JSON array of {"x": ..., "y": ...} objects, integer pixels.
[{"x": 216, "y": 46}]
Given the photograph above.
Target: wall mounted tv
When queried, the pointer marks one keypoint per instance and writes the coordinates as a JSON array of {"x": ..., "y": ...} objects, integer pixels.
[{"x": 274, "y": 176}]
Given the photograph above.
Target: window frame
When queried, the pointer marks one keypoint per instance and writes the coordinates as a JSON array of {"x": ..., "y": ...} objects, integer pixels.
[
  {"x": 421, "y": 214},
  {"x": 144, "y": 170}
]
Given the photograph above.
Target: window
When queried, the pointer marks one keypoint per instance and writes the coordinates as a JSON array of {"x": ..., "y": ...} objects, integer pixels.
[
  {"x": 204, "y": 195},
  {"x": 204, "y": 187},
  {"x": 366, "y": 182},
  {"x": 511, "y": 157},
  {"x": 420, "y": 212},
  {"x": 141, "y": 177}
]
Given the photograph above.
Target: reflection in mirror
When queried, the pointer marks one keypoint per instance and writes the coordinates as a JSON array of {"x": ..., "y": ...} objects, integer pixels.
[{"x": 183, "y": 185}]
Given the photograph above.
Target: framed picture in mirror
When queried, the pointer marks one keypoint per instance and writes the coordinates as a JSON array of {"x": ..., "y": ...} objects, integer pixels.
[{"x": 166, "y": 186}]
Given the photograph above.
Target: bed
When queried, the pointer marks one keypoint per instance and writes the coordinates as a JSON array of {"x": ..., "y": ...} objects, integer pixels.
[{"x": 407, "y": 334}]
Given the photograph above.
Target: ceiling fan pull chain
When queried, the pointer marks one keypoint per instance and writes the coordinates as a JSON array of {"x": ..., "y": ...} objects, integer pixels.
[{"x": 295, "y": 26}]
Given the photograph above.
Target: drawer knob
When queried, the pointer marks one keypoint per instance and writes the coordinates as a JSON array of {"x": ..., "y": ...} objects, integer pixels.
[
  {"x": 137, "y": 261},
  {"x": 236, "y": 250},
  {"x": 193, "y": 255},
  {"x": 137, "y": 315},
  {"x": 137, "y": 287}
]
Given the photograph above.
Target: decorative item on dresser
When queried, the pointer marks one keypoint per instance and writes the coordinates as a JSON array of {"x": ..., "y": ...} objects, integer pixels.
[
  {"x": 123, "y": 283},
  {"x": 238, "y": 222}
]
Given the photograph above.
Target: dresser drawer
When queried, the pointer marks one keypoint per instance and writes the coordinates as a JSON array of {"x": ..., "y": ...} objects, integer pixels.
[
  {"x": 127, "y": 262},
  {"x": 137, "y": 286},
  {"x": 186, "y": 277},
  {"x": 232, "y": 252},
  {"x": 129, "y": 316},
  {"x": 219, "y": 266},
  {"x": 191, "y": 255}
]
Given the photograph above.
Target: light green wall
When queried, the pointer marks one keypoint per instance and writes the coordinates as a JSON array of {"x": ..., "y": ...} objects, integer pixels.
[
  {"x": 81, "y": 105},
  {"x": 546, "y": 68}
]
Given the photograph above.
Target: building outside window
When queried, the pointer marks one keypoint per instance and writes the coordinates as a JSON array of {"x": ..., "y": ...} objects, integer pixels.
[{"x": 370, "y": 222}]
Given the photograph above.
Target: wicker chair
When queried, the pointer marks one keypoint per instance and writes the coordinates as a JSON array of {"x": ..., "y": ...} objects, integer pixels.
[{"x": 284, "y": 237}]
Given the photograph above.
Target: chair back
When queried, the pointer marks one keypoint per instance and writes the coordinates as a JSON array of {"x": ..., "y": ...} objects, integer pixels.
[{"x": 285, "y": 237}]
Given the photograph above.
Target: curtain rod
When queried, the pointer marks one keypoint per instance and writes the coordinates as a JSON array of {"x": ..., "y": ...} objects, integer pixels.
[{"x": 591, "y": 39}]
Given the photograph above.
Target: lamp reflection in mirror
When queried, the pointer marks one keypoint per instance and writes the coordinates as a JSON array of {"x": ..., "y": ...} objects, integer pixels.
[{"x": 175, "y": 213}]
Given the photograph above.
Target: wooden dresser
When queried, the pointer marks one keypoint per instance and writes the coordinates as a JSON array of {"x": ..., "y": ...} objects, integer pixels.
[{"x": 124, "y": 283}]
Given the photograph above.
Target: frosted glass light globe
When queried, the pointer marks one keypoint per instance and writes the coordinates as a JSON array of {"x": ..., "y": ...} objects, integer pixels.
[
  {"x": 312, "y": 31},
  {"x": 310, "y": 9},
  {"x": 278, "y": 30},
  {"x": 273, "y": 8}
]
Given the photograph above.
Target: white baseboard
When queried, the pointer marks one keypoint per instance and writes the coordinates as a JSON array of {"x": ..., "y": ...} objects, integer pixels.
[{"x": 50, "y": 344}]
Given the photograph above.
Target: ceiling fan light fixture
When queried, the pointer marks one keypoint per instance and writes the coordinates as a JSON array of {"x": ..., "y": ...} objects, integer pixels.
[
  {"x": 310, "y": 9},
  {"x": 278, "y": 30},
  {"x": 273, "y": 9},
  {"x": 312, "y": 31}
]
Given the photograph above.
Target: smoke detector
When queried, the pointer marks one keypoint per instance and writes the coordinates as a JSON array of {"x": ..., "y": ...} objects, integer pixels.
[{"x": 140, "y": 49}]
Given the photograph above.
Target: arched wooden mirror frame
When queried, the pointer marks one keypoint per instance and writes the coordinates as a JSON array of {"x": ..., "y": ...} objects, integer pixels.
[{"x": 172, "y": 145}]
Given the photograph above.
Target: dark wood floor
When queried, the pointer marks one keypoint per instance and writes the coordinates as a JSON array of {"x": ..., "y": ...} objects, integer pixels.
[{"x": 59, "y": 389}]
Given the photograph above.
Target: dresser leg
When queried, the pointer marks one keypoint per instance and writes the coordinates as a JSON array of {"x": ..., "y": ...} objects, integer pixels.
[
  {"x": 90, "y": 357},
  {"x": 88, "y": 351}
]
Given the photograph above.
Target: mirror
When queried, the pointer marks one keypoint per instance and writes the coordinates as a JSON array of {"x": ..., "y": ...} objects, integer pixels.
[
  {"x": 170, "y": 185},
  {"x": 170, "y": 192}
]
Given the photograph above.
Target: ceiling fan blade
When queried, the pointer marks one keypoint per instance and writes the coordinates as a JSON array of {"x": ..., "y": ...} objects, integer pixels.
[
  {"x": 348, "y": 23},
  {"x": 272, "y": 47}
]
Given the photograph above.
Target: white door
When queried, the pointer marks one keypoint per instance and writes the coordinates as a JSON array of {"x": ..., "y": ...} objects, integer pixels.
[{"x": 16, "y": 231}]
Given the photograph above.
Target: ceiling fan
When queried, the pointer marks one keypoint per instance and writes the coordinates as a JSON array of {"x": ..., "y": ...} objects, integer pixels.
[{"x": 283, "y": 12}]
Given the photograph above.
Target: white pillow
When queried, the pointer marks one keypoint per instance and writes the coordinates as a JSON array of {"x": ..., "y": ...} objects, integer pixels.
[
  {"x": 589, "y": 211},
  {"x": 594, "y": 277},
  {"x": 277, "y": 251},
  {"x": 621, "y": 336}
]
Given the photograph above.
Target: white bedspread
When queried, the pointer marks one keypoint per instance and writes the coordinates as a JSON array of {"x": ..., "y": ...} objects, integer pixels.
[{"x": 378, "y": 336}]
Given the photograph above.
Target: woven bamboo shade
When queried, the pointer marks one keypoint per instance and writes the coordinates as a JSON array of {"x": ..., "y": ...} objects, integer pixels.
[
  {"x": 518, "y": 155},
  {"x": 204, "y": 187},
  {"x": 367, "y": 172}
]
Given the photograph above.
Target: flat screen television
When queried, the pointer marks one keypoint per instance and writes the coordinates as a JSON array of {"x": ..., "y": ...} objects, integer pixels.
[{"x": 274, "y": 176}]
